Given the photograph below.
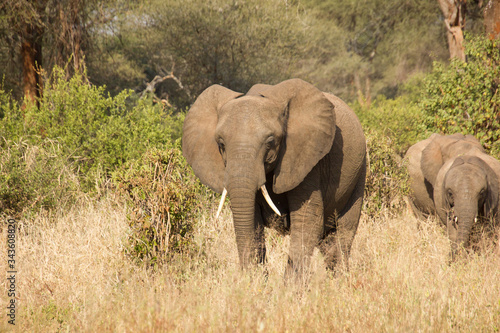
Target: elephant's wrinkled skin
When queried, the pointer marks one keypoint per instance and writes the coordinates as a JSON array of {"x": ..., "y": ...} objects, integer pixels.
[
  {"x": 306, "y": 146},
  {"x": 453, "y": 177}
]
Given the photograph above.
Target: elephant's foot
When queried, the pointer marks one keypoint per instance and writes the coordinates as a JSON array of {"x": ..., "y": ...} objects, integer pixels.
[{"x": 298, "y": 272}]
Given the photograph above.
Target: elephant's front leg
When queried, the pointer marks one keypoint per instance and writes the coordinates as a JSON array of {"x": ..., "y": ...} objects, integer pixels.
[
  {"x": 259, "y": 240},
  {"x": 306, "y": 216}
]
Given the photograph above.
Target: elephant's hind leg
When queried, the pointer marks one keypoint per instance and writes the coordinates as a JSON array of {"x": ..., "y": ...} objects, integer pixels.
[{"x": 336, "y": 246}]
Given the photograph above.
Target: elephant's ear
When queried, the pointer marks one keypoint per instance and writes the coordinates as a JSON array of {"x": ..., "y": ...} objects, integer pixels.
[
  {"x": 439, "y": 194},
  {"x": 432, "y": 161},
  {"x": 310, "y": 130},
  {"x": 492, "y": 199},
  {"x": 258, "y": 89},
  {"x": 198, "y": 139},
  {"x": 475, "y": 143}
]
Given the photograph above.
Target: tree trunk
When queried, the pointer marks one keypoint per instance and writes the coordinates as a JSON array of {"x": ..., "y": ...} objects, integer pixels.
[
  {"x": 492, "y": 18},
  {"x": 454, "y": 19},
  {"x": 364, "y": 99},
  {"x": 31, "y": 57}
]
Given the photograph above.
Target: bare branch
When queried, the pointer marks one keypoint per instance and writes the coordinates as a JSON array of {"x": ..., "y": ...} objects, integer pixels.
[{"x": 151, "y": 86}]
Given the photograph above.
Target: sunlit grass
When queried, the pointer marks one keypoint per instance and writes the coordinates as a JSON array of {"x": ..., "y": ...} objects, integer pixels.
[{"x": 74, "y": 276}]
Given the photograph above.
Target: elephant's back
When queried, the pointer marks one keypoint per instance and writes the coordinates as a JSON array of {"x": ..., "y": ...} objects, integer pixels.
[
  {"x": 343, "y": 166},
  {"x": 421, "y": 193}
]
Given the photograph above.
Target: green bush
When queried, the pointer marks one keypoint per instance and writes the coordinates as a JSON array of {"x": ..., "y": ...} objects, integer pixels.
[
  {"x": 386, "y": 179},
  {"x": 391, "y": 126},
  {"x": 98, "y": 131},
  {"x": 399, "y": 120},
  {"x": 35, "y": 177},
  {"x": 11, "y": 118},
  {"x": 164, "y": 198},
  {"x": 463, "y": 97},
  {"x": 205, "y": 42}
]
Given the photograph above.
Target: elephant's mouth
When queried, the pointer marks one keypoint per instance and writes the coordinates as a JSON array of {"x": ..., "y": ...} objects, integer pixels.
[
  {"x": 453, "y": 218},
  {"x": 264, "y": 193}
]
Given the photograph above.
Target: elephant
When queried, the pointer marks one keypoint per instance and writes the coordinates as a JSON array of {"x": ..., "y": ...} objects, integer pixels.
[
  {"x": 453, "y": 177},
  {"x": 291, "y": 158}
]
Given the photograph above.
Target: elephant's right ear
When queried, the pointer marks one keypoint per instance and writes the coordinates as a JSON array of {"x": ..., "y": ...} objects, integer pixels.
[
  {"x": 432, "y": 161},
  {"x": 198, "y": 137}
]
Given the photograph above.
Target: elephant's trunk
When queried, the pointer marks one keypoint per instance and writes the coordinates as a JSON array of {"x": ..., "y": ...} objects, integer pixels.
[
  {"x": 243, "y": 208},
  {"x": 242, "y": 182},
  {"x": 460, "y": 225}
]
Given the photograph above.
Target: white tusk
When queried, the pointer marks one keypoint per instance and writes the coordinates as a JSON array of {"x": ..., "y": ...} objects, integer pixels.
[
  {"x": 222, "y": 199},
  {"x": 475, "y": 220},
  {"x": 268, "y": 199},
  {"x": 456, "y": 219}
]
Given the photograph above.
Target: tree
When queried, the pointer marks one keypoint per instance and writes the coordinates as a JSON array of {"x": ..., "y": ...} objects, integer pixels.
[
  {"x": 177, "y": 48},
  {"x": 492, "y": 18},
  {"x": 25, "y": 32},
  {"x": 45, "y": 33},
  {"x": 454, "y": 19},
  {"x": 364, "y": 48}
]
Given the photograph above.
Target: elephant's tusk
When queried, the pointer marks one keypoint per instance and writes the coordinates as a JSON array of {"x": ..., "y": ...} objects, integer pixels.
[
  {"x": 268, "y": 199},
  {"x": 475, "y": 220},
  {"x": 222, "y": 199}
]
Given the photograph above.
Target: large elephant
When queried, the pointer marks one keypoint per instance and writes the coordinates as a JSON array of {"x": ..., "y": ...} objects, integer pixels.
[
  {"x": 452, "y": 176},
  {"x": 306, "y": 147}
]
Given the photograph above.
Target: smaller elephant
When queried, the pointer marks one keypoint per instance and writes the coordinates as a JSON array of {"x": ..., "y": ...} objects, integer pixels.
[{"x": 452, "y": 176}]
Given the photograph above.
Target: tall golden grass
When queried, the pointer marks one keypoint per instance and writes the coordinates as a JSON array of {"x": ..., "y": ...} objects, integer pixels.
[{"x": 74, "y": 276}]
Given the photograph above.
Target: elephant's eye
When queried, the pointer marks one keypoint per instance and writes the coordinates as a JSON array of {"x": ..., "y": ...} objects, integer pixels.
[
  {"x": 270, "y": 142},
  {"x": 222, "y": 147},
  {"x": 450, "y": 196}
]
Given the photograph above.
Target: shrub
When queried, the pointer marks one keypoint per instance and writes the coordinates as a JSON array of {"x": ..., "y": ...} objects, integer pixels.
[
  {"x": 35, "y": 177},
  {"x": 164, "y": 196},
  {"x": 98, "y": 131},
  {"x": 463, "y": 97},
  {"x": 399, "y": 120},
  {"x": 386, "y": 179}
]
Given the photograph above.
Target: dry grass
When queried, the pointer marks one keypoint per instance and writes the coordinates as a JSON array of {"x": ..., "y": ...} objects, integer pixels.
[{"x": 74, "y": 276}]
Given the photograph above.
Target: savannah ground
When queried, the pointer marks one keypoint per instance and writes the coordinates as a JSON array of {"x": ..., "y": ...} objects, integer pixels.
[{"x": 74, "y": 276}]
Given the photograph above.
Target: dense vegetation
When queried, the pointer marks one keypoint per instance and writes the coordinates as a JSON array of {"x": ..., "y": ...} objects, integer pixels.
[
  {"x": 355, "y": 49},
  {"x": 81, "y": 140}
]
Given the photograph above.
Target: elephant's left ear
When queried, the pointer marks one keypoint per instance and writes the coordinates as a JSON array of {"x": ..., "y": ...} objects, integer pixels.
[
  {"x": 310, "y": 130},
  {"x": 492, "y": 199}
]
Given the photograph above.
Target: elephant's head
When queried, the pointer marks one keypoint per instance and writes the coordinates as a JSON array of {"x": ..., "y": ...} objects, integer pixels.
[
  {"x": 442, "y": 148},
  {"x": 236, "y": 142},
  {"x": 468, "y": 189},
  {"x": 464, "y": 186}
]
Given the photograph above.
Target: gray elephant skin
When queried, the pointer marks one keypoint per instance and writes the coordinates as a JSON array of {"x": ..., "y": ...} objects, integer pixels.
[
  {"x": 308, "y": 149},
  {"x": 452, "y": 176}
]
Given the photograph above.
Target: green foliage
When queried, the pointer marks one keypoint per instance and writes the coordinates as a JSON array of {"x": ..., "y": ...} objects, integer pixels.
[
  {"x": 236, "y": 44},
  {"x": 464, "y": 98},
  {"x": 11, "y": 117},
  {"x": 164, "y": 196},
  {"x": 371, "y": 47},
  {"x": 98, "y": 131},
  {"x": 35, "y": 177},
  {"x": 399, "y": 120},
  {"x": 391, "y": 127},
  {"x": 386, "y": 179}
]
